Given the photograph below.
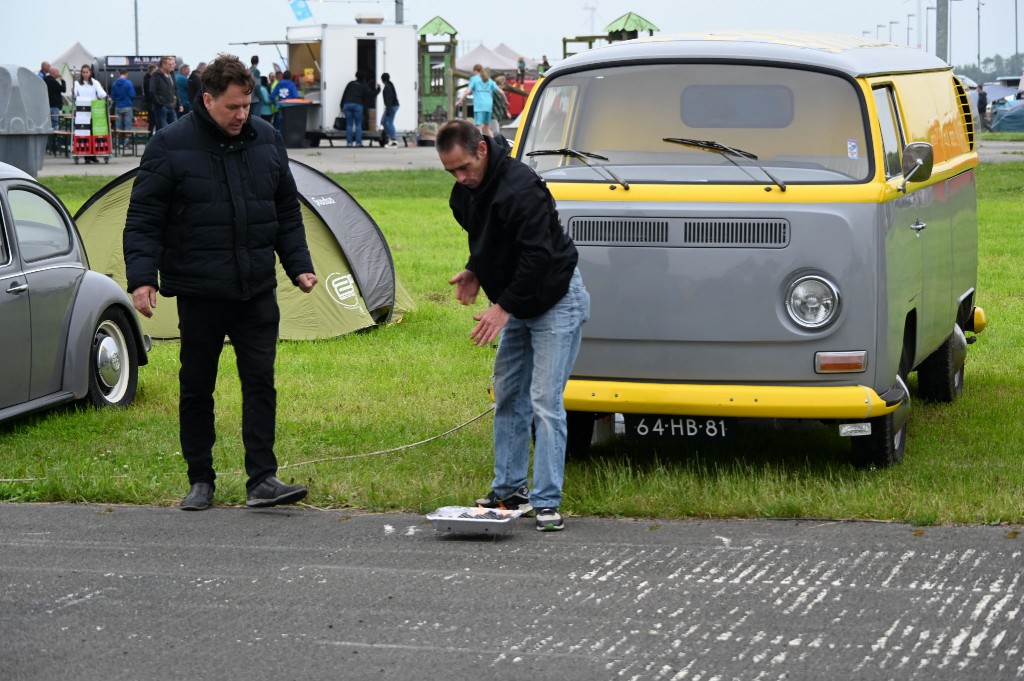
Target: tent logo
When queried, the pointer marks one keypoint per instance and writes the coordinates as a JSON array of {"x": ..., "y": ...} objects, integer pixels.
[
  {"x": 342, "y": 289},
  {"x": 322, "y": 200}
]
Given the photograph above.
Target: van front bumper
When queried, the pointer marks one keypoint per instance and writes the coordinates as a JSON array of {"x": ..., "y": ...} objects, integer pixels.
[{"x": 744, "y": 401}]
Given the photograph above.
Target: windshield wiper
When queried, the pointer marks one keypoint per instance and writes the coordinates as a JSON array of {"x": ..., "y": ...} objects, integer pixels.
[
  {"x": 728, "y": 152},
  {"x": 583, "y": 156}
]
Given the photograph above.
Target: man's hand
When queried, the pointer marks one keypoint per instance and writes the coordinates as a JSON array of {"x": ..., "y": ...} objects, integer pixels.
[
  {"x": 144, "y": 300},
  {"x": 489, "y": 324},
  {"x": 306, "y": 281},
  {"x": 467, "y": 286}
]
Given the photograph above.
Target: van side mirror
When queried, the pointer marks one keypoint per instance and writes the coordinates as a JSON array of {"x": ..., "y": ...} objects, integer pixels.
[{"x": 918, "y": 159}]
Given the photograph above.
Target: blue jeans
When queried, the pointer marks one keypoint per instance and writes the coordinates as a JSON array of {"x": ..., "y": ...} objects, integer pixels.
[
  {"x": 388, "y": 121},
  {"x": 165, "y": 115},
  {"x": 534, "y": 360},
  {"x": 125, "y": 118},
  {"x": 353, "y": 124}
]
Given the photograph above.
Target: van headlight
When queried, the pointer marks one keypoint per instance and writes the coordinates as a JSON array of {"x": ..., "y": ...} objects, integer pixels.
[{"x": 812, "y": 301}]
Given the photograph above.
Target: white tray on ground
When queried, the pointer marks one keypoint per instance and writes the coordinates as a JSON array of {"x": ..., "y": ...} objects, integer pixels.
[{"x": 473, "y": 519}]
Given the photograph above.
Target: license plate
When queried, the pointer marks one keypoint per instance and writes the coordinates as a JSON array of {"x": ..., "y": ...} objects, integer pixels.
[{"x": 651, "y": 427}]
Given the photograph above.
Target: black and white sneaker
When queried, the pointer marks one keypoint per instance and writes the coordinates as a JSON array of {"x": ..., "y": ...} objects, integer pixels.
[
  {"x": 517, "y": 501},
  {"x": 549, "y": 520}
]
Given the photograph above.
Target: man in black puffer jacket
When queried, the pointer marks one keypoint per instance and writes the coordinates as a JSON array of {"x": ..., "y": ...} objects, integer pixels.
[{"x": 213, "y": 203}]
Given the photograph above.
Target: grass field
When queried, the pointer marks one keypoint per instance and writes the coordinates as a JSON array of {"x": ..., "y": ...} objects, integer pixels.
[{"x": 369, "y": 392}]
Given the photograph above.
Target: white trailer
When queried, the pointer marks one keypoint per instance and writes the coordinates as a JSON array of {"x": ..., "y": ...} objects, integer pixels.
[{"x": 333, "y": 54}]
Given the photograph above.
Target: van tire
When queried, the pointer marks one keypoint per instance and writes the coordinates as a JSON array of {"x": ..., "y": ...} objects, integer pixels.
[
  {"x": 882, "y": 448},
  {"x": 938, "y": 380},
  {"x": 579, "y": 433}
]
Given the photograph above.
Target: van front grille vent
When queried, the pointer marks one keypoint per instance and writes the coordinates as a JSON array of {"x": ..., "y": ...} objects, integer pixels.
[
  {"x": 681, "y": 232},
  {"x": 619, "y": 231}
]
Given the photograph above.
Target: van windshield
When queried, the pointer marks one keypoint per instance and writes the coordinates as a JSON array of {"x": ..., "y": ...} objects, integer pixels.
[{"x": 803, "y": 127}]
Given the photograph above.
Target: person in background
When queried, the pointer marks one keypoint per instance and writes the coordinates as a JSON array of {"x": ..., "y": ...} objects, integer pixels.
[
  {"x": 543, "y": 66},
  {"x": 122, "y": 92},
  {"x": 195, "y": 83},
  {"x": 254, "y": 69},
  {"x": 286, "y": 88},
  {"x": 148, "y": 99},
  {"x": 87, "y": 89},
  {"x": 390, "y": 109},
  {"x": 44, "y": 70},
  {"x": 181, "y": 88},
  {"x": 522, "y": 258},
  {"x": 499, "y": 108},
  {"x": 266, "y": 103},
  {"x": 210, "y": 234},
  {"x": 55, "y": 89},
  {"x": 352, "y": 99},
  {"x": 275, "y": 79},
  {"x": 165, "y": 93},
  {"x": 521, "y": 71},
  {"x": 983, "y": 107},
  {"x": 482, "y": 88}
]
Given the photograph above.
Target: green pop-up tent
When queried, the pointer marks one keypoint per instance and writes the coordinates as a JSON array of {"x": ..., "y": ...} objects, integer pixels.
[{"x": 358, "y": 287}]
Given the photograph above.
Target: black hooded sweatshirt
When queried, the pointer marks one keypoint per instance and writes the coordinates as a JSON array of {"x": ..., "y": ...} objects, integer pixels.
[{"x": 517, "y": 247}]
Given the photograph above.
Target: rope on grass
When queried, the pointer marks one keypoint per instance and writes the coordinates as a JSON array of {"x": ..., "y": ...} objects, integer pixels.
[
  {"x": 393, "y": 449},
  {"x": 336, "y": 458}
]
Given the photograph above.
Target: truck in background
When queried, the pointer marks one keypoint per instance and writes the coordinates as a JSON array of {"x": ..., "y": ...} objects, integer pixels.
[{"x": 323, "y": 59}]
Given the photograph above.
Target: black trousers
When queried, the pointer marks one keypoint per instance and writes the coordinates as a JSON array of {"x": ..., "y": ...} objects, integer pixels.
[{"x": 252, "y": 327}]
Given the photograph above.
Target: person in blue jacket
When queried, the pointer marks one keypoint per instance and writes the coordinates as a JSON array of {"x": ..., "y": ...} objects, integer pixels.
[
  {"x": 181, "y": 85},
  {"x": 122, "y": 92},
  {"x": 286, "y": 89}
]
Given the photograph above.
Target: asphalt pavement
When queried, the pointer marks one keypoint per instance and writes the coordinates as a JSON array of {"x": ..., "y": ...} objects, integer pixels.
[{"x": 117, "y": 592}]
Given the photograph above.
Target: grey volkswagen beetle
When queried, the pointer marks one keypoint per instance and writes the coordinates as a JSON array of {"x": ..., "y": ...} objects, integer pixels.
[{"x": 66, "y": 333}]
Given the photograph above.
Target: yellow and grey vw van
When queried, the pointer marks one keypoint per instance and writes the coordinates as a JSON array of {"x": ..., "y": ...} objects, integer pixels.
[{"x": 777, "y": 226}]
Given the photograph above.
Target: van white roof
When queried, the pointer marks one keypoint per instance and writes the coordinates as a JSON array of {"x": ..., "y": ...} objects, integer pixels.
[{"x": 834, "y": 51}]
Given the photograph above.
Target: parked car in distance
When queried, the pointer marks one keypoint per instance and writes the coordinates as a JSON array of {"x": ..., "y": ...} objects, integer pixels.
[{"x": 66, "y": 333}]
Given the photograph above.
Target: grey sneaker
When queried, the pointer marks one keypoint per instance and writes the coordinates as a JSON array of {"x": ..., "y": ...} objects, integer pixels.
[
  {"x": 199, "y": 497},
  {"x": 518, "y": 500},
  {"x": 549, "y": 520},
  {"x": 273, "y": 492}
]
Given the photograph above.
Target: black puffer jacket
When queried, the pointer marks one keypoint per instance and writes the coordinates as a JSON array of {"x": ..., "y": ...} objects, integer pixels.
[
  {"x": 517, "y": 247},
  {"x": 209, "y": 211}
]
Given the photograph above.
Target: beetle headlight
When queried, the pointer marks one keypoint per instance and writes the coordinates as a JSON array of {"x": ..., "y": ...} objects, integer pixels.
[{"x": 812, "y": 301}]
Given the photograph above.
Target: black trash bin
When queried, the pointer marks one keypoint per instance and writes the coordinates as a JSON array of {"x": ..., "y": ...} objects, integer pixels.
[
  {"x": 293, "y": 122},
  {"x": 25, "y": 119}
]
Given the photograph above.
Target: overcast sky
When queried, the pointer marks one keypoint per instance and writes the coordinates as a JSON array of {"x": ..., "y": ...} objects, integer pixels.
[{"x": 197, "y": 29}]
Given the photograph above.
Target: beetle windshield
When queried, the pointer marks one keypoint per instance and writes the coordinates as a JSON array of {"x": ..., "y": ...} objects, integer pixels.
[{"x": 802, "y": 126}]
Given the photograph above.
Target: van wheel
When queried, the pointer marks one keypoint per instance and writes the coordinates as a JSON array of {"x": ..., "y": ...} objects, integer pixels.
[
  {"x": 938, "y": 379},
  {"x": 113, "y": 361},
  {"x": 580, "y": 433},
  {"x": 884, "y": 447}
]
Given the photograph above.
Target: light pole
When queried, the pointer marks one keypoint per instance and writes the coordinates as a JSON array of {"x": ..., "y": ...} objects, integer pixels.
[
  {"x": 949, "y": 31},
  {"x": 909, "y": 17},
  {"x": 891, "y": 24},
  {"x": 878, "y": 27},
  {"x": 980, "y": 3},
  {"x": 136, "y": 27},
  {"x": 927, "y": 26}
]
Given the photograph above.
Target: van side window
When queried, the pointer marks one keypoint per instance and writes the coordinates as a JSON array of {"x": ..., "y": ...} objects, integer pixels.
[
  {"x": 888, "y": 122},
  {"x": 41, "y": 231}
]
